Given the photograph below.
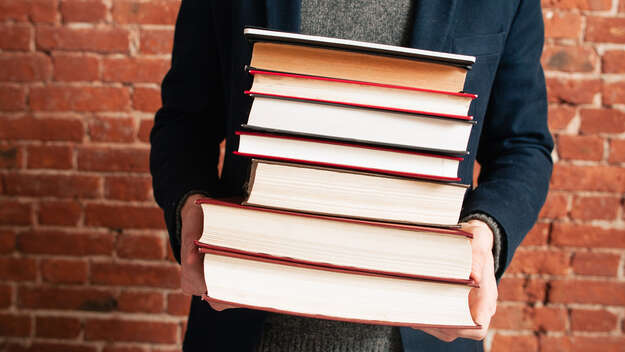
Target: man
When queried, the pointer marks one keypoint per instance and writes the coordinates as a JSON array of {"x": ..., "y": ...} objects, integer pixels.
[{"x": 203, "y": 102}]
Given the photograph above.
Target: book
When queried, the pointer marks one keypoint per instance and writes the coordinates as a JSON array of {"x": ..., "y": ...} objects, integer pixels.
[
  {"x": 333, "y": 153},
  {"x": 437, "y": 254},
  {"x": 331, "y": 293},
  {"x": 358, "y": 61},
  {"x": 382, "y": 96},
  {"x": 349, "y": 122},
  {"x": 354, "y": 194}
]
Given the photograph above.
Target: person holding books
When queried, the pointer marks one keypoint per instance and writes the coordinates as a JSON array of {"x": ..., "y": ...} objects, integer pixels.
[{"x": 203, "y": 103}]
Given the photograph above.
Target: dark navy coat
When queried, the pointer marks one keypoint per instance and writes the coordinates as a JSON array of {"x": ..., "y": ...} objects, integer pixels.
[{"x": 203, "y": 103}]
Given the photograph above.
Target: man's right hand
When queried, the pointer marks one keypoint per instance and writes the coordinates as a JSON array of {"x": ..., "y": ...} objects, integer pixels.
[{"x": 192, "y": 276}]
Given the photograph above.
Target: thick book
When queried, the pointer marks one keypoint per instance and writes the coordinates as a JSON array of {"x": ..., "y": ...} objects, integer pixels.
[
  {"x": 381, "y": 96},
  {"x": 360, "y": 123},
  {"x": 359, "y": 61},
  {"x": 436, "y": 254},
  {"x": 330, "y": 293},
  {"x": 335, "y": 153},
  {"x": 353, "y": 194}
]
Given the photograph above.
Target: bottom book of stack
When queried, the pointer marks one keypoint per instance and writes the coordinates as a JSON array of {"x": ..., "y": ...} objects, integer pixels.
[{"x": 336, "y": 268}]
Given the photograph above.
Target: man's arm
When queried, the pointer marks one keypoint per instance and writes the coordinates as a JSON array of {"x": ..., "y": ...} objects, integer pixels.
[
  {"x": 515, "y": 146},
  {"x": 189, "y": 126}
]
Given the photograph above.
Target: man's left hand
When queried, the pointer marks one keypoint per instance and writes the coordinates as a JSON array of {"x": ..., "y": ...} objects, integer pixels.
[{"x": 482, "y": 299}]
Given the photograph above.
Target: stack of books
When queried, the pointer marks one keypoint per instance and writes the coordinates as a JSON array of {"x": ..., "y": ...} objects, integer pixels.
[{"x": 352, "y": 205}]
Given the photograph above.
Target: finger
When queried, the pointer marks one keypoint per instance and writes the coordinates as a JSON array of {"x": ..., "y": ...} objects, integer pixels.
[
  {"x": 441, "y": 334},
  {"x": 477, "y": 267},
  {"x": 216, "y": 305}
]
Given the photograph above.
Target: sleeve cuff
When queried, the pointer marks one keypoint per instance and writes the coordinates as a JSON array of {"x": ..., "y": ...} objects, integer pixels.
[{"x": 497, "y": 237}]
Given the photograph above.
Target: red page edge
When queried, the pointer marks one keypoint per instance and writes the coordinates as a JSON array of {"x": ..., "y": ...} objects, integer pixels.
[
  {"x": 339, "y": 80},
  {"x": 457, "y": 117},
  {"x": 399, "y": 226},
  {"x": 328, "y": 266}
]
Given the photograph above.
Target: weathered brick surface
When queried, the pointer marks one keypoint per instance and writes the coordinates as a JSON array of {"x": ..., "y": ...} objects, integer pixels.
[{"x": 85, "y": 264}]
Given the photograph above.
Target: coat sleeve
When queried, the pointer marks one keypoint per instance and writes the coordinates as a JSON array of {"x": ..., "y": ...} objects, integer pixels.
[
  {"x": 190, "y": 124},
  {"x": 515, "y": 146}
]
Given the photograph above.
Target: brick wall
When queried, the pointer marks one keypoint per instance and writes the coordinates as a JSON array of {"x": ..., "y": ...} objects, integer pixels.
[{"x": 84, "y": 262}]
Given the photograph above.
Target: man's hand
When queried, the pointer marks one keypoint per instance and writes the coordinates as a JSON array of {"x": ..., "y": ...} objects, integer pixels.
[
  {"x": 483, "y": 299},
  {"x": 192, "y": 276}
]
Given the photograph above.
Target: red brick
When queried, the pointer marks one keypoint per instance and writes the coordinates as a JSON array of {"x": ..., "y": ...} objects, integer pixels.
[
  {"x": 617, "y": 151},
  {"x": 540, "y": 262},
  {"x": 560, "y": 116},
  {"x": 107, "y": 159},
  {"x": 140, "y": 247},
  {"x": 83, "y": 10},
  {"x": 588, "y": 178},
  {"x": 613, "y": 61},
  {"x": 569, "y": 59},
  {"x": 555, "y": 343},
  {"x": 563, "y": 234},
  {"x": 146, "y": 99},
  {"x": 14, "y": 325},
  {"x": 572, "y": 91},
  {"x": 141, "y": 12},
  {"x": 592, "y": 320},
  {"x": 141, "y": 302},
  {"x": 6, "y": 296},
  {"x": 528, "y": 318},
  {"x": 599, "y": 343},
  {"x": 144, "y": 130},
  {"x": 605, "y": 29},
  {"x": 40, "y": 129},
  {"x": 64, "y": 271},
  {"x": 563, "y": 25},
  {"x": 37, "y": 11},
  {"x": 125, "y": 349},
  {"x": 65, "y": 67},
  {"x": 103, "y": 129},
  {"x": 613, "y": 93},
  {"x": 134, "y": 70},
  {"x": 50, "y": 347},
  {"x": 513, "y": 343},
  {"x": 166, "y": 276},
  {"x": 156, "y": 41},
  {"x": 25, "y": 67},
  {"x": 70, "y": 98},
  {"x": 61, "y": 298},
  {"x": 57, "y": 327},
  {"x": 60, "y": 243},
  {"x": 101, "y": 40},
  {"x": 115, "y": 330},
  {"x": 14, "y": 213},
  {"x": 593, "y": 5},
  {"x": 60, "y": 212},
  {"x": 15, "y": 37},
  {"x": 50, "y": 157},
  {"x": 124, "y": 216},
  {"x": 12, "y": 99},
  {"x": 128, "y": 188},
  {"x": 522, "y": 289},
  {"x": 178, "y": 304},
  {"x": 555, "y": 206},
  {"x": 62, "y": 186},
  {"x": 600, "y": 264},
  {"x": 18, "y": 269},
  {"x": 11, "y": 157},
  {"x": 585, "y": 291},
  {"x": 595, "y": 208},
  {"x": 7, "y": 242},
  {"x": 580, "y": 147}
]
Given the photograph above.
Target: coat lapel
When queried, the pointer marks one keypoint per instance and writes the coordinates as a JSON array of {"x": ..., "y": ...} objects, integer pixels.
[
  {"x": 283, "y": 15},
  {"x": 433, "y": 25}
]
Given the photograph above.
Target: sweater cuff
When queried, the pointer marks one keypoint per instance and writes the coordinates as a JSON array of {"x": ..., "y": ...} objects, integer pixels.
[
  {"x": 179, "y": 210},
  {"x": 497, "y": 236}
]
